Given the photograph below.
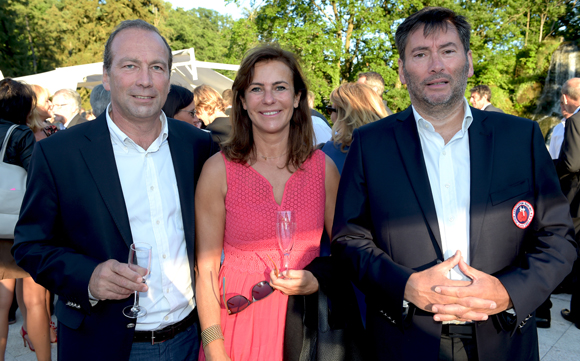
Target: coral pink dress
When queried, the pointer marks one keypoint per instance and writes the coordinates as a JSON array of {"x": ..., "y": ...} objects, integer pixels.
[{"x": 257, "y": 333}]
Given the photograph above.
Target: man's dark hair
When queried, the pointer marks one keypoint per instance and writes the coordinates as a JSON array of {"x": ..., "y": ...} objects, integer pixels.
[
  {"x": 434, "y": 19},
  {"x": 482, "y": 90},
  {"x": 16, "y": 101},
  {"x": 132, "y": 24},
  {"x": 100, "y": 98}
]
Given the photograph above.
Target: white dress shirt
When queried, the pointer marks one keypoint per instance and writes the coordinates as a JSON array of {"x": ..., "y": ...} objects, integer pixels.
[
  {"x": 448, "y": 167},
  {"x": 322, "y": 132},
  {"x": 557, "y": 139},
  {"x": 152, "y": 200}
]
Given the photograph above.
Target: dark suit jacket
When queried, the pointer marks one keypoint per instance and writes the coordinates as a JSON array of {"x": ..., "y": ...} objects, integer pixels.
[
  {"x": 491, "y": 108},
  {"x": 568, "y": 164},
  {"x": 386, "y": 228},
  {"x": 73, "y": 217},
  {"x": 220, "y": 128}
]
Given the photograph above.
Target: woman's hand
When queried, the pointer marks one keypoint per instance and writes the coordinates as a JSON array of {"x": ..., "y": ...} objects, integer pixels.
[{"x": 295, "y": 282}]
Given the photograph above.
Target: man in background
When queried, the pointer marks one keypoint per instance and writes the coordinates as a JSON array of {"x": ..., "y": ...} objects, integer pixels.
[
  {"x": 228, "y": 95},
  {"x": 481, "y": 99},
  {"x": 67, "y": 108},
  {"x": 377, "y": 83},
  {"x": 568, "y": 166},
  {"x": 100, "y": 98}
]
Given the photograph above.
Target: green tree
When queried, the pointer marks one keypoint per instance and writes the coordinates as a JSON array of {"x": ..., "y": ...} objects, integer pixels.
[{"x": 205, "y": 30}]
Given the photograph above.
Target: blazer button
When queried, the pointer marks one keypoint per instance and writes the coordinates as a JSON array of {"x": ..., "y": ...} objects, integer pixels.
[{"x": 130, "y": 325}]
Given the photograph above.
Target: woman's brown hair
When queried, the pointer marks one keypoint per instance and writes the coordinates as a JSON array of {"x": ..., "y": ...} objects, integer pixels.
[{"x": 240, "y": 146}]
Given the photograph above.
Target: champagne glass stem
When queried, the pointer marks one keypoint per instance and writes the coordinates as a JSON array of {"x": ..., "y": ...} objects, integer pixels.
[
  {"x": 136, "y": 303},
  {"x": 286, "y": 262}
]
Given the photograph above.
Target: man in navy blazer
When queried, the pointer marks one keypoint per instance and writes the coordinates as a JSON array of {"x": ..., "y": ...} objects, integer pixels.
[
  {"x": 450, "y": 219},
  {"x": 128, "y": 176}
]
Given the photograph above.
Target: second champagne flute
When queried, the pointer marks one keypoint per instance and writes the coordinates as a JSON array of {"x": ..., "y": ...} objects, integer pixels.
[
  {"x": 139, "y": 261},
  {"x": 285, "y": 231}
]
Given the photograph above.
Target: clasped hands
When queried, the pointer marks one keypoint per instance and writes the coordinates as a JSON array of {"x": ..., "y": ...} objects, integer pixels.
[
  {"x": 113, "y": 280},
  {"x": 452, "y": 300}
]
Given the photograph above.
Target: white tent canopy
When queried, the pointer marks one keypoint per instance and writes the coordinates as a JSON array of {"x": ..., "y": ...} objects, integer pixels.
[{"x": 186, "y": 71}]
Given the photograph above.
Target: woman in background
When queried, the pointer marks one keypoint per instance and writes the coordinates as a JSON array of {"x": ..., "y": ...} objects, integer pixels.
[
  {"x": 37, "y": 119},
  {"x": 17, "y": 101},
  {"x": 210, "y": 108},
  {"x": 180, "y": 105},
  {"x": 353, "y": 105}
]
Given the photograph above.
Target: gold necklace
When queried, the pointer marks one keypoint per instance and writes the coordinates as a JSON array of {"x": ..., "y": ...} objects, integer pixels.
[{"x": 266, "y": 158}]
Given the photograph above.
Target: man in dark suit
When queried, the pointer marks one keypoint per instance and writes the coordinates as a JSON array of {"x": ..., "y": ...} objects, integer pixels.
[
  {"x": 450, "y": 219},
  {"x": 67, "y": 108},
  {"x": 129, "y": 176},
  {"x": 481, "y": 99},
  {"x": 568, "y": 166}
]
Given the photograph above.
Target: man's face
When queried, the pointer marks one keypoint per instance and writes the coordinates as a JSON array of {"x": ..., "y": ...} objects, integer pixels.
[
  {"x": 435, "y": 69},
  {"x": 64, "y": 107},
  {"x": 139, "y": 75},
  {"x": 477, "y": 101}
]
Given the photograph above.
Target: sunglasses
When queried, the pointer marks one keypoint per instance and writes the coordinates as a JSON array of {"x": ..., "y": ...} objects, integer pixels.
[
  {"x": 238, "y": 303},
  {"x": 330, "y": 109}
]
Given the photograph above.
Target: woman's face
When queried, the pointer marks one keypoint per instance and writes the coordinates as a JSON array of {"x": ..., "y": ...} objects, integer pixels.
[
  {"x": 270, "y": 99},
  {"x": 187, "y": 115},
  {"x": 44, "y": 105}
]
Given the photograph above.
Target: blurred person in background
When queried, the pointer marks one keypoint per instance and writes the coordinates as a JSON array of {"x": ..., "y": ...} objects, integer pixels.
[
  {"x": 210, "y": 109},
  {"x": 100, "y": 98},
  {"x": 17, "y": 100},
  {"x": 377, "y": 83},
  {"x": 67, "y": 108},
  {"x": 228, "y": 96},
  {"x": 180, "y": 105},
  {"x": 352, "y": 105},
  {"x": 37, "y": 119}
]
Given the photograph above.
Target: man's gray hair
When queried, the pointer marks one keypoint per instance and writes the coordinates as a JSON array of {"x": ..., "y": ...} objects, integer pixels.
[
  {"x": 571, "y": 88},
  {"x": 132, "y": 24},
  {"x": 100, "y": 98},
  {"x": 70, "y": 94}
]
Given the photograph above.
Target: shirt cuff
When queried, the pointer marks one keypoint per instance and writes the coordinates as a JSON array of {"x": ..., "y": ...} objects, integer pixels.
[{"x": 92, "y": 300}]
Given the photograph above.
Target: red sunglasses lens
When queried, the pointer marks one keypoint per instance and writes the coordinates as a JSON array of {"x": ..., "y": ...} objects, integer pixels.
[
  {"x": 261, "y": 290},
  {"x": 238, "y": 304}
]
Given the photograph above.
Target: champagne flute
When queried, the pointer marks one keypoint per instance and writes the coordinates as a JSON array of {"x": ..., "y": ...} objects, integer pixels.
[
  {"x": 139, "y": 261},
  {"x": 285, "y": 231}
]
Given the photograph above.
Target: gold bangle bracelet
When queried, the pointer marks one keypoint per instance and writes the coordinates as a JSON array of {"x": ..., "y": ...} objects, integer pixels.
[{"x": 210, "y": 334}]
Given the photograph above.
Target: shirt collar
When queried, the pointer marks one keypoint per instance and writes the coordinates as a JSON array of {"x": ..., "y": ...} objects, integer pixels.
[
  {"x": 467, "y": 118},
  {"x": 485, "y": 106},
  {"x": 576, "y": 111},
  {"x": 118, "y": 137}
]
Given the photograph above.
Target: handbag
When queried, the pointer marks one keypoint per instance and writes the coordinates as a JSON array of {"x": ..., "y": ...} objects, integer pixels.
[{"x": 12, "y": 188}]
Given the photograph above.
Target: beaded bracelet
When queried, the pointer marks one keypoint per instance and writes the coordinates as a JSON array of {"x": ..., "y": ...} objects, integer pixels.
[{"x": 210, "y": 334}]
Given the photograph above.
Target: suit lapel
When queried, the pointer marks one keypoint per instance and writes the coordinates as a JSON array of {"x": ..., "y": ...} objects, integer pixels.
[
  {"x": 100, "y": 160},
  {"x": 184, "y": 164},
  {"x": 411, "y": 152},
  {"x": 481, "y": 162}
]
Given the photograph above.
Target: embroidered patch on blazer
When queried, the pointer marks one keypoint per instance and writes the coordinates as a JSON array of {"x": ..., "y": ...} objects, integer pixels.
[{"x": 522, "y": 214}]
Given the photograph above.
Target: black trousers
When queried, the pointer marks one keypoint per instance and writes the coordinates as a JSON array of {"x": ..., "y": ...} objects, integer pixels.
[{"x": 457, "y": 349}]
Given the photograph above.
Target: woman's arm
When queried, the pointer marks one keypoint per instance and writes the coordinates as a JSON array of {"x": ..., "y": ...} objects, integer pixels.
[{"x": 210, "y": 216}]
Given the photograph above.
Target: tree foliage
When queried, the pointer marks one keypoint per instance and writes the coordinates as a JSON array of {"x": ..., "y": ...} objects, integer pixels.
[{"x": 512, "y": 40}]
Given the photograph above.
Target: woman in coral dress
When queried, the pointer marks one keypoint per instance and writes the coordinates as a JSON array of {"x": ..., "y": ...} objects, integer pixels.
[{"x": 267, "y": 166}]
